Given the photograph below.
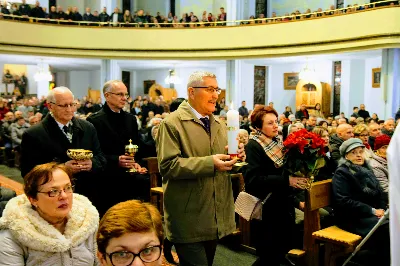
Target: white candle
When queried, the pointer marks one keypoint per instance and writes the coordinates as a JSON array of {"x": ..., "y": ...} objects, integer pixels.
[{"x": 233, "y": 131}]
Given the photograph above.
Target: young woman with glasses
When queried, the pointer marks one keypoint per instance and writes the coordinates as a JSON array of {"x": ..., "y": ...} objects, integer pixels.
[
  {"x": 49, "y": 224},
  {"x": 129, "y": 233}
]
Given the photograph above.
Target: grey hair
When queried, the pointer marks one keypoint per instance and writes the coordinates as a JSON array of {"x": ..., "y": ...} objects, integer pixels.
[
  {"x": 109, "y": 85},
  {"x": 51, "y": 97},
  {"x": 299, "y": 125},
  {"x": 196, "y": 78}
]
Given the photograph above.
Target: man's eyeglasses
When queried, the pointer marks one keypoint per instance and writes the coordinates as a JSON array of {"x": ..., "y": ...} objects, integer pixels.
[
  {"x": 57, "y": 192},
  {"x": 121, "y": 94},
  {"x": 124, "y": 258},
  {"x": 65, "y": 105},
  {"x": 210, "y": 89}
]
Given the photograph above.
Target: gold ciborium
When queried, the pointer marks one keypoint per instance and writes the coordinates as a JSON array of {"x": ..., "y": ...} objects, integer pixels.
[
  {"x": 79, "y": 154},
  {"x": 131, "y": 150}
]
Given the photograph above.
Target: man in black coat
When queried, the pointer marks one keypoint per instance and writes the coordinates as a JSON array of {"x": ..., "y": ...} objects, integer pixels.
[
  {"x": 116, "y": 17},
  {"x": 37, "y": 11},
  {"x": 59, "y": 131},
  {"x": 115, "y": 128},
  {"x": 24, "y": 9},
  {"x": 302, "y": 112},
  {"x": 88, "y": 15},
  {"x": 75, "y": 15},
  {"x": 363, "y": 113},
  {"x": 5, "y": 11},
  {"x": 104, "y": 17},
  {"x": 53, "y": 14}
]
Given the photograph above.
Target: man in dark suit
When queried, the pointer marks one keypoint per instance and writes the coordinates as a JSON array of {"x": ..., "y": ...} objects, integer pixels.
[
  {"x": 59, "y": 131},
  {"x": 104, "y": 17},
  {"x": 115, "y": 128},
  {"x": 37, "y": 11},
  {"x": 302, "y": 112},
  {"x": 116, "y": 17},
  {"x": 4, "y": 10},
  {"x": 75, "y": 15},
  {"x": 24, "y": 9},
  {"x": 363, "y": 113},
  {"x": 88, "y": 15},
  {"x": 61, "y": 14}
]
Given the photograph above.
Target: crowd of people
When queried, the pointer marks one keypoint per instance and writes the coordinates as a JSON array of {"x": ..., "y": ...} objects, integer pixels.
[
  {"x": 188, "y": 136},
  {"x": 140, "y": 18},
  {"x": 298, "y": 15}
]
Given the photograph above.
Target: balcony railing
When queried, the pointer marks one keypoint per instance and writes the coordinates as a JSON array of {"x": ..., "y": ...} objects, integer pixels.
[{"x": 235, "y": 23}]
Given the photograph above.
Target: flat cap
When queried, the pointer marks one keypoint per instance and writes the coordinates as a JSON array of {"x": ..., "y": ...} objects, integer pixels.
[{"x": 350, "y": 145}]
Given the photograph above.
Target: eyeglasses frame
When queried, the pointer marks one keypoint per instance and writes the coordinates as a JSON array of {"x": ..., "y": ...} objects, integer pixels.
[{"x": 136, "y": 255}]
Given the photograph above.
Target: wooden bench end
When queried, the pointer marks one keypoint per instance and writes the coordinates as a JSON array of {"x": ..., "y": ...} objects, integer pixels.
[
  {"x": 334, "y": 234},
  {"x": 296, "y": 253}
]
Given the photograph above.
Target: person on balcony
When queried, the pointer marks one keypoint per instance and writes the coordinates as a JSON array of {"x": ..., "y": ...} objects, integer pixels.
[
  {"x": 104, "y": 17},
  {"x": 88, "y": 15},
  {"x": 24, "y": 9},
  {"x": 116, "y": 17},
  {"x": 37, "y": 11},
  {"x": 75, "y": 15}
]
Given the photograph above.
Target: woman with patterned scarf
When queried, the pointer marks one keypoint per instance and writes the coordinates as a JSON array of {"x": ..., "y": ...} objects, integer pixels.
[{"x": 264, "y": 174}]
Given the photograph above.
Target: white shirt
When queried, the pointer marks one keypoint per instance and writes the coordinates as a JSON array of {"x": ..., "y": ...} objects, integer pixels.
[
  {"x": 61, "y": 126},
  {"x": 115, "y": 17},
  {"x": 197, "y": 114}
]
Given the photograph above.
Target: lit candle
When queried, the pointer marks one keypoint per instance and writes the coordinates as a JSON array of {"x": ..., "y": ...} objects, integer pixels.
[{"x": 233, "y": 131}]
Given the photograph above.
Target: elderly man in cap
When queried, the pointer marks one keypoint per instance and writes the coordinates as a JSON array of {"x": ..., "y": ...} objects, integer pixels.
[
  {"x": 191, "y": 148},
  {"x": 59, "y": 131}
]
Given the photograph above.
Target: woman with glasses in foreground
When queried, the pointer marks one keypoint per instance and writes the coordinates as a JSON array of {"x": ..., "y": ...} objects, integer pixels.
[
  {"x": 130, "y": 233},
  {"x": 48, "y": 225}
]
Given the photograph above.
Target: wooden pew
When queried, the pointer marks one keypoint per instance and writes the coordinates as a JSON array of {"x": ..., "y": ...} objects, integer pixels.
[
  {"x": 243, "y": 225},
  {"x": 338, "y": 242},
  {"x": 156, "y": 190}
]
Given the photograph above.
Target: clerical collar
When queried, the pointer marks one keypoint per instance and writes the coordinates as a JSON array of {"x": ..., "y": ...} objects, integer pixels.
[{"x": 197, "y": 114}]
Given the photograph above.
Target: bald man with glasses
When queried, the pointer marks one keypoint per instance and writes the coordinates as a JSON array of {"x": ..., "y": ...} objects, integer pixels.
[
  {"x": 49, "y": 140},
  {"x": 115, "y": 128}
]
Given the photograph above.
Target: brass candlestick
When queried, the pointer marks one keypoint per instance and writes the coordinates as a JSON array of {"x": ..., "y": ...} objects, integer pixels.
[{"x": 131, "y": 150}]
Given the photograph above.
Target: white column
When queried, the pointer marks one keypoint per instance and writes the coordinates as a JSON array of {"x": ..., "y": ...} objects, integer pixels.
[
  {"x": 390, "y": 80},
  {"x": 43, "y": 84},
  {"x": 115, "y": 70},
  {"x": 108, "y": 4},
  {"x": 233, "y": 82},
  {"x": 231, "y": 9}
]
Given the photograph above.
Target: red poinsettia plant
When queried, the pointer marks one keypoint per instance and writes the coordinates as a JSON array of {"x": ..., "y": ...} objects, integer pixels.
[{"x": 304, "y": 154}]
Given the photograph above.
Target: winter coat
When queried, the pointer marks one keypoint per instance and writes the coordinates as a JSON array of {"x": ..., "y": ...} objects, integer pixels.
[
  {"x": 335, "y": 142},
  {"x": 356, "y": 191},
  {"x": 198, "y": 200},
  {"x": 380, "y": 168},
  {"x": 27, "y": 239},
  {"x": 16, "y": 134}
]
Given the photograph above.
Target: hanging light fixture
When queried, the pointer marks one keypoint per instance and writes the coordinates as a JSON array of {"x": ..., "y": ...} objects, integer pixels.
[
  {"x": 43, "y": 73},
  {"x": 172, "y": 78},
  {"x": 308, "y": 75}
]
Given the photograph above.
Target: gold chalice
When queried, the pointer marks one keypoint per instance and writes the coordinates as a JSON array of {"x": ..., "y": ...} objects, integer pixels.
[
  {"x": 79, "y": 154},
  {"x": 131, "y": 150}
]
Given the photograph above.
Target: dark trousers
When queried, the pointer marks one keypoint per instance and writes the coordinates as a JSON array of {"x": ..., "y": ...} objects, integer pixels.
[
  {"x": 196, "y": 254},
  {"x": 120, "y": 187}
]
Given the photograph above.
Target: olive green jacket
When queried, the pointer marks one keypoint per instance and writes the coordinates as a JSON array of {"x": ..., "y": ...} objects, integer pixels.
[{"x": 198, "y": 201}]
